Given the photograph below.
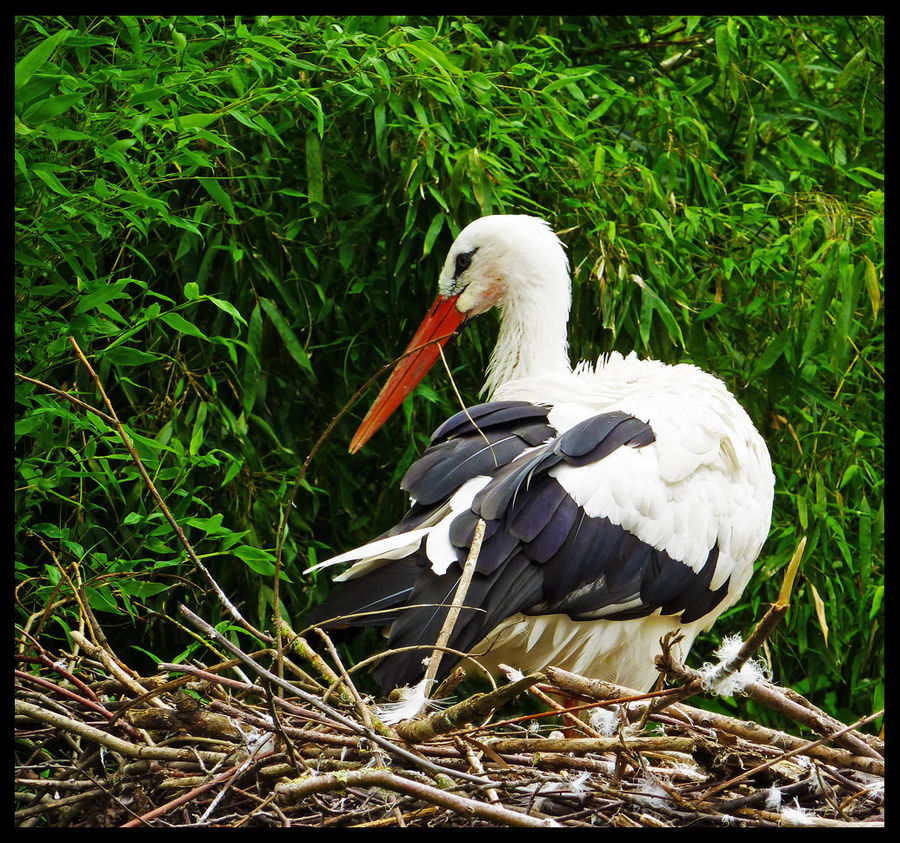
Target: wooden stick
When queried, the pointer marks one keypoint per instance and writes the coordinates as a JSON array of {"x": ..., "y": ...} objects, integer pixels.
[
  {"x": 114, "y": 419},
  {"x": 291, "y": 792},
  {"x": 456, "y": 606},
  {"x": 469, "y": 710}
]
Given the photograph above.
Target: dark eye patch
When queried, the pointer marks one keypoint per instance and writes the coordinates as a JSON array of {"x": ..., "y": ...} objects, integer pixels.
[{"x": 463, "y": 262}]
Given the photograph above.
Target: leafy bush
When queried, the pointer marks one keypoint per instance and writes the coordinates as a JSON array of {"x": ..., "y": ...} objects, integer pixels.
[{"x": 240, "y": 220}]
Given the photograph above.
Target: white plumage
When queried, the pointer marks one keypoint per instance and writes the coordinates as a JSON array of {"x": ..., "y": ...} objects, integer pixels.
[{"x": 623, "y": 499}]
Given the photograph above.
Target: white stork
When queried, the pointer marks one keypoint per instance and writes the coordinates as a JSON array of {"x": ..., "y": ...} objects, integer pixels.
[{"x": 622, "y": 500}]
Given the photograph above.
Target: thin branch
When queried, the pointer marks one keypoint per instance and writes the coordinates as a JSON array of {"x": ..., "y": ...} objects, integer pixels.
[
  {"x": 456, "y": 606},
  {"x": 123, "y": 747},
  {"x": 113, "y": 419},
  {"x": 469, "y": 710},
  {"x": 291, "y": 792},
  {"x": 69, "y": 397},
  {"x": 582, "y": 746}
]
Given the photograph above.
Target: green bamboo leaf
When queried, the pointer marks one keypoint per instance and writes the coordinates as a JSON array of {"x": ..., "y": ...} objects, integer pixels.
[
  {"x": 434, "y": 229},
  {"x": 709, "y": 312},
  {"x": 438, "y": 197},
  {"x": 250, "y": 379},
  {"x": 802, "y": 512},
  {"x": 430, "y": 53},
  {"x": 849, "y": 473},
  {"x": 215, "y": 189},
  {"x": 146, "y": 446},
  {"x": 20, "y": 129},
  {"x": 37, "y": 58},
  {"x": 149, "y": 95},
  {"x": 599, "y": 162},
  {"x": 234, "y": 468},
  {"x": 826, "y": 288},
  {"x": 25, "y": 426},
  {"x": 651, "y": 302},
  {"x": 872, "y": 287},
  {"x": 143, "y": 200},
  {"x": 291, "y": 343},
  {"x": 314, "y": 105},
  {"x": 132, "y": 33},
  {"x": 646, "y": 317},
  {"x": 47, "y": 109},
  {"x": 773, "y": 351},
  {"x": 49, "y": 178},
  {"x": 102, "y": 600},
  {"x": 123, "y": 355},
  {"x": 479, "y": 82},
  {"x": 723, "y": 50},
  {"x": 380, "y": 145},
  {"x": 809, "y": 149},
  {"x": 784, "y": 77},
  {"x": 197, "y": 431},
  {"x": 383, "y": 73},
  {"x": 851, "y": 68},
  {"x": 877, "y": 599},
  {"x": 260, "y": 561},
  {"x": 178, "y": 41},
  {"x": 314, "y": 176},
  {"x": 100, "y": 295},
  {"x": 566, "y": 79},
  {"x": 180, "y": 324},
  {"x": 140, "y": 588},
  {"x": 190, "y": 122},
  {"x": 870, "y": 172},
  {"x": 178, "y": 222},
  {"x": 229, "y": 308},
  {"x": 750, "y": 145},
  {"x": 664, "y": 225}
]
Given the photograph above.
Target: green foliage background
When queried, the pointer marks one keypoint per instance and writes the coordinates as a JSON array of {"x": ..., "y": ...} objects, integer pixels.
[{"x": 240, "y": 220}]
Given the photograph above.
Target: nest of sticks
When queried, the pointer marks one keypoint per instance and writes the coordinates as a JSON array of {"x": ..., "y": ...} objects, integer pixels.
[{"x": 258, "y": 741}]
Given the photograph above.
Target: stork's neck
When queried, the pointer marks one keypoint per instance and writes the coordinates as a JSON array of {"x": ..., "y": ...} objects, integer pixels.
[{"x": 533, "y": 326}]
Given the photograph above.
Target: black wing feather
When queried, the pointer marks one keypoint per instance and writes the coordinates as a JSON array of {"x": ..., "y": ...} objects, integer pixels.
[{"x": 541, "y": 554}]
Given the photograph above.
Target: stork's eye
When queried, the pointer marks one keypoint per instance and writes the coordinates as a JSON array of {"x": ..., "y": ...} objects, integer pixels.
[{"x": 463, "y": 262}]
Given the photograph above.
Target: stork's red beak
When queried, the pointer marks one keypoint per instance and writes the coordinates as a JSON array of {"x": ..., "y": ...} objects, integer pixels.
[{"x": 440, "y": 324}]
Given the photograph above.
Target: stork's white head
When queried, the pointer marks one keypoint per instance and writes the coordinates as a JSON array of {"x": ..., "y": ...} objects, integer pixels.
[
  {"x": 514, "y": 262},
  {"x": 505, "y": 258}
]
